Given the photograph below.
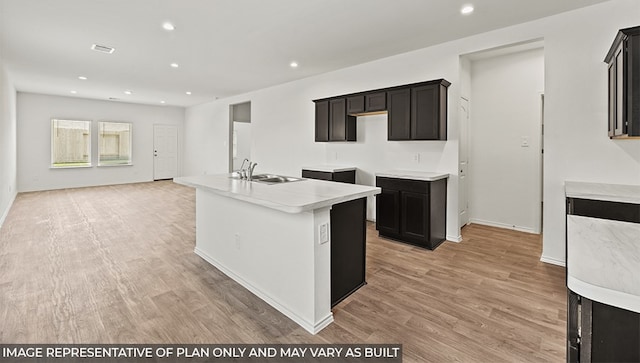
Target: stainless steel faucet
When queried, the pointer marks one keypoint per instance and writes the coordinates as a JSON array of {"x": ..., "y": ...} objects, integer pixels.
[{"x": 250, "y": 170}]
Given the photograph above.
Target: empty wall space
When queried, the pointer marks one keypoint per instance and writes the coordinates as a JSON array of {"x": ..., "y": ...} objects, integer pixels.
[{"x": 505, "y": 140}]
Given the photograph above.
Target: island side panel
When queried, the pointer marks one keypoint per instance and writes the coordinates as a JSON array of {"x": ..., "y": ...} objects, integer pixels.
[{"x": 275, "y": 255}]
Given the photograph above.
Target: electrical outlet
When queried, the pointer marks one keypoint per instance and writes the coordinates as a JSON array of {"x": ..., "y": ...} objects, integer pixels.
[{"x": 324, "y": 233}]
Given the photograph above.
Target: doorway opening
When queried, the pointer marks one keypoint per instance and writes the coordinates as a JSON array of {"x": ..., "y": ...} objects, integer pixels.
[
  {"x": 239, "y": 134},
  {"x": 501, "y": 137}
]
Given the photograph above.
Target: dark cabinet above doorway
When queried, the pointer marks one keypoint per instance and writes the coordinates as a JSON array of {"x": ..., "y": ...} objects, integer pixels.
[{"x": 415, "y": 111}]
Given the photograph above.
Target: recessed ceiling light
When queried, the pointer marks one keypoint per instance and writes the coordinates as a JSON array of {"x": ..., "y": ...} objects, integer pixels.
[
  {"x": 293, "y": 64},
  {"x": 467, "y": 9},
  {"x": 174, "y": 65},
  {"x": 74, "y": 92},
  {"x": 82, "y": 78},
  {"x": 128, "y": 92},
  {"x": 168, "y": 26},
  {"x": 188, "y": 92},
  {"x": 162, "y": 102}
]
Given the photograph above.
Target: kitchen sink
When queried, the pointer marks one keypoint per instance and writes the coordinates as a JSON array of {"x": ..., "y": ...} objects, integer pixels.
[
  {"x": 270, "y": 178},
  {"x": 274, "y": 179}
]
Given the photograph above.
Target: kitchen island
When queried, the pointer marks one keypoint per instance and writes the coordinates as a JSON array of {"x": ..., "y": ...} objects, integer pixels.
[{"x": 273, "y": 239}]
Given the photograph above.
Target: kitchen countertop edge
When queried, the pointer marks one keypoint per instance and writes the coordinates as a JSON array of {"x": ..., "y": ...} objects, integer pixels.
[
  {"x": 323, "y": 201},
  {"x": 603, "y": 191},
  {"x": 415, "y": 175}
]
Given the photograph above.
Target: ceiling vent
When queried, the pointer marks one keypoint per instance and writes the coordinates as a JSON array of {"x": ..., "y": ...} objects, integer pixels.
[{"x": 102, "y": 48}]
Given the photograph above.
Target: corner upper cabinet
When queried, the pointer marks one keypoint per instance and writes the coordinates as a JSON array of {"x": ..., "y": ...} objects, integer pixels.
[
  {"x": 332, "y": 122},
  {"x": 623, "y": 62}
]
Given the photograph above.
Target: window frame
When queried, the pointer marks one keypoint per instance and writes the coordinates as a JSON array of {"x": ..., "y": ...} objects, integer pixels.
[
  {"x": 102, "y": 163},
  {"x": 70, "y": 165}
]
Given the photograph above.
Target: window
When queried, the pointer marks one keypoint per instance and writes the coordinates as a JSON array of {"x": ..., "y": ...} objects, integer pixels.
[
  {"x": 114, "y": 143},
  {"x": 70, "y": 143}
]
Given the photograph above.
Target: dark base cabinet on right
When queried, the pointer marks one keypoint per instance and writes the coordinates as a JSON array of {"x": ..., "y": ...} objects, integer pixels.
[{"x": 412, "y": 211}]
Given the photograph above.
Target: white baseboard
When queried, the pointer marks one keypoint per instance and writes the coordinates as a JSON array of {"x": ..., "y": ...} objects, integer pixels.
[
  {"x": 552, "y": 261},
  {"x": 6, "y": 211},
  {"x": 311, "y": 327},
  {"x": 503, "y": 225},
  {"x": 451, "y": 238}
]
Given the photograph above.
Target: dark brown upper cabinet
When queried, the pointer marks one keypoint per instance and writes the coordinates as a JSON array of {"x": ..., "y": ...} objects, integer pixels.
[
  {"x": 342, "y": 127},
  {"x": 415, "y": 112},
  {"x": 322, "y": 121},
  {"x": 366, "y": 103},
  {"x": 375, "y": 102},
  {"x": 332, "y": 121},
  {"x": 399, "y": 114},
  {"x": 429, "y": 112},
  {"x": 355, "y": 104},
  {"x": 623, "y": 61}
]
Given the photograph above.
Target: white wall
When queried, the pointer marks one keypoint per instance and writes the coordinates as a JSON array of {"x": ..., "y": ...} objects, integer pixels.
[
  {"x": 8, "y": 183},
  {"x": 504, "y": 177},
  {"x": 576, "y": 146},
  {"x": 35, "y": 112}
]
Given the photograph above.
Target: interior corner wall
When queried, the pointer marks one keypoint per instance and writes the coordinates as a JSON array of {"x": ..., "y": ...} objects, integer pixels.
[
  {"x": 505, "y": 176},
  {"x": 8, "y": 158},
  {"x": 34, "y": 114}
]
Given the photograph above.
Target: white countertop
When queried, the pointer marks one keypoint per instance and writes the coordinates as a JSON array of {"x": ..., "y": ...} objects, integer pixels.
[
  {"x": 412, "y": 174},
  {"x": 329, "y": 168},
  {"x": 291, "y": 197},
  {"x": 600, "y": 191}
]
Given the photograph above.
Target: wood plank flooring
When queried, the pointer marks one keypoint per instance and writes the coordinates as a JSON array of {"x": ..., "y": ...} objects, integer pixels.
[{"x": 115, "y": 264}]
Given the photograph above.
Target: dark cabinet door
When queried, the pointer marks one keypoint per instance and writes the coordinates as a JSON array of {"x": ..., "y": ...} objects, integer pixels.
[
  {"x": 375, "y": 102},
  {"x": 348, "y": 237},
  {"x": 355, "y": 104},
  {"x": 399, "y": 114},
  {"x": 314, "y": 174},
  {"x": 415, "y": 216},
  {"x": 341, "y": 126},
  {"x": 337, "y": 119},
  {"x": 388, "y": 211},
  {"x": 322, "y": 121},
  {"x": 428, "y": 113}
]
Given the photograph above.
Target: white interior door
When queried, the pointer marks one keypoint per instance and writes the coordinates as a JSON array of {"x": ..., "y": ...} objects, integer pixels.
[
  {"x": 463, "y": 195},
  {"x": 165, "y": 152}
]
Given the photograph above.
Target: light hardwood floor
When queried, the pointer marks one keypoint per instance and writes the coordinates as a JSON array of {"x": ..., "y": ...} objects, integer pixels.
[{"x": 115, "y": 264}]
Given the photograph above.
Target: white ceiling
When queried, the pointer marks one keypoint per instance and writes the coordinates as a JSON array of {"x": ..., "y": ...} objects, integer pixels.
[{"x": 226, "y": 47}]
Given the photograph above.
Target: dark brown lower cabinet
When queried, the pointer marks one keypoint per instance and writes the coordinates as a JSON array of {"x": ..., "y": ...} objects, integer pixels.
[
  {"x": 348, "y": 238},
  {"x": 348, "y": 248},
  {"x": 412, "y": 211},
  {"x": 348, "y": 176},
  {"x": 598, "y": 332}
]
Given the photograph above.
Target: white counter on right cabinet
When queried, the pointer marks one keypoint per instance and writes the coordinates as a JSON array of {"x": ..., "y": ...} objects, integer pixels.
[{"x": 603, "y": 243}]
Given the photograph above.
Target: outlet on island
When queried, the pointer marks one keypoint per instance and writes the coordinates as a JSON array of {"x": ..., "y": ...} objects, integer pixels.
[{"x": 324, "y": 233}]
